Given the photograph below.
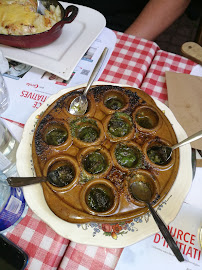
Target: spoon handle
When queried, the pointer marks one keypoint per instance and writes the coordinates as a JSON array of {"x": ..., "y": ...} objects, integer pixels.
[
  {"x": 96, "y": 70},
  {"x": 40, "y": 7},
  {"x": 24, "y": 181},
  {"x": 191, "y": 138},
  {"x": 165, "y": 232}
]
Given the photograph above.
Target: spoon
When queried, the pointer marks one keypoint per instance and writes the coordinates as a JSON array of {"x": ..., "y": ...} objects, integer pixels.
[
  {"x": 79, "y": 105},
  {"x": 165, "y": 152},
  {"x": 25, "y": 181},
  {"x": 40, "y": 8},
  {"x": 54, "y": 177},
  {"x": 142, "y": 192}
]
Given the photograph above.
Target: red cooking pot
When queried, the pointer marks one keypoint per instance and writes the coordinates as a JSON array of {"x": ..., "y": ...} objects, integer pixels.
[{"x": 44, "y": 38}]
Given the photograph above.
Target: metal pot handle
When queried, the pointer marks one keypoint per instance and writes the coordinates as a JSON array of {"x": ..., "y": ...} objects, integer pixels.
[{"x": 70, "y": 14}]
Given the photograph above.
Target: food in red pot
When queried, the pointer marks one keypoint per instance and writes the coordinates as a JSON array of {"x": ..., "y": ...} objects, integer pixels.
[
  {"x": 20, "y": 17},
  {"x": 26, "y": 34}
]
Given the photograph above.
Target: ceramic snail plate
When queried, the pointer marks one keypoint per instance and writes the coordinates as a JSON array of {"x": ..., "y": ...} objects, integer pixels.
[
  {"x": 105, "y": 234},
  {"x": 91, "y": 161}
]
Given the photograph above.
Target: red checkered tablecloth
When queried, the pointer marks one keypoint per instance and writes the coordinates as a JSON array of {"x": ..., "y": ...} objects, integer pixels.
[
  {"x": 136, "y": 62},
  {"x": 130, "y": 60},
  {"x": 154, "y": 82}
]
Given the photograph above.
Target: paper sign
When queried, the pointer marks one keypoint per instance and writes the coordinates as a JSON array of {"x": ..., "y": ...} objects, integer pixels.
[
  {"x": 26, "y": 97},
  {"x": 153, "y": 253}
]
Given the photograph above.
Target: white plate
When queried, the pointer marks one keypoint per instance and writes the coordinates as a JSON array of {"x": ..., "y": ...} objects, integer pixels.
[
  {"x": 61, "y": 56},
  {"x": 105, "y": 235}
]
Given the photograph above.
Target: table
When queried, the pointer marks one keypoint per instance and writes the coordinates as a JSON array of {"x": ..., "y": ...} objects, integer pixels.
[{"x": 136, "y": 62}]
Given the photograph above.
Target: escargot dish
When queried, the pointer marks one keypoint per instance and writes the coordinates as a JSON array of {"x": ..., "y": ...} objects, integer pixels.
[{"x": 93, "y": 159}]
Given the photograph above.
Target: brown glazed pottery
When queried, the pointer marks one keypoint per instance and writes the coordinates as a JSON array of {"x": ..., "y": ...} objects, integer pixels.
[{"x": 102, "y": 153}]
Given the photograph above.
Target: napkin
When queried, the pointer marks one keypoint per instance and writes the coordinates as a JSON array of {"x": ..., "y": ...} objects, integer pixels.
[{"x": 185, "y": 101}]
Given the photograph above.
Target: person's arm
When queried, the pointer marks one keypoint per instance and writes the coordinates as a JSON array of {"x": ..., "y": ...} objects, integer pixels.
[{"x": 156, "y": 17}]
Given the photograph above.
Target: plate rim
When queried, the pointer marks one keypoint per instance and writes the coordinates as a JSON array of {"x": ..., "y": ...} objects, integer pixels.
[{"x": 72, "y": 231}]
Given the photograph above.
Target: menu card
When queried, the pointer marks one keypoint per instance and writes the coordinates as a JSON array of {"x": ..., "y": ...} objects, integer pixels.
[{"x": 153, "y": 252}]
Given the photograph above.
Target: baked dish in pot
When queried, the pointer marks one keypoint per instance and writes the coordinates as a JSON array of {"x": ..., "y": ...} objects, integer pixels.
[{"x": 21, "y": 26}]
